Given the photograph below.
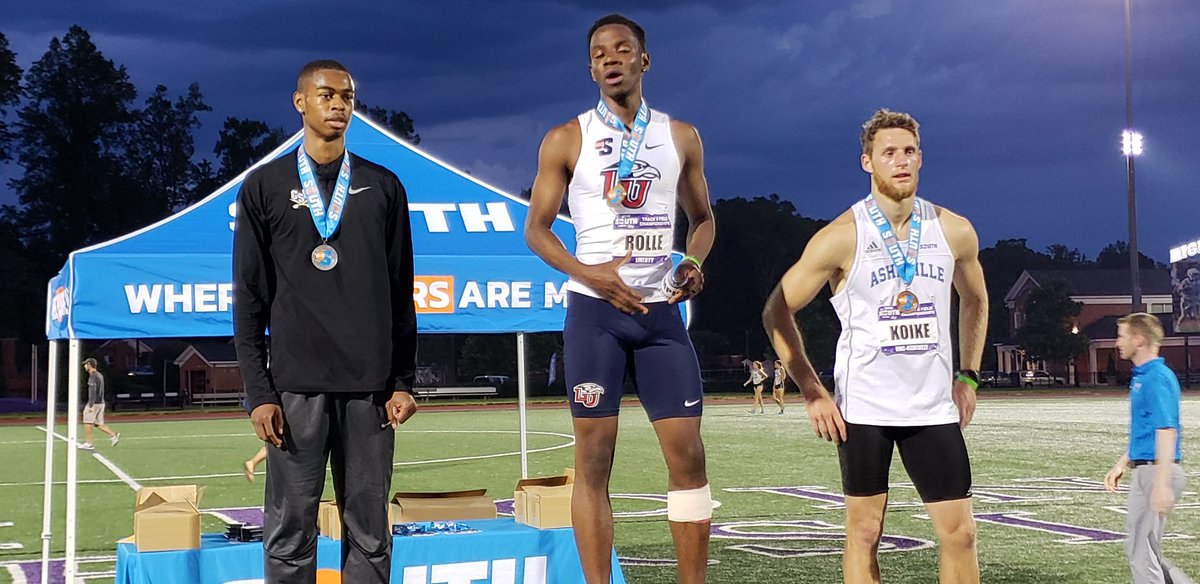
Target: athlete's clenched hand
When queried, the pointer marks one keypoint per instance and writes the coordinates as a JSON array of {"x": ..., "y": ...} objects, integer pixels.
[
  {"x": 268, "y": 423},
  {"x": 400, "y": 408},
  {"x": 693, "y": 282},
  {"x": 604, "y": 279},
  {"x": 826, "y": 419}
]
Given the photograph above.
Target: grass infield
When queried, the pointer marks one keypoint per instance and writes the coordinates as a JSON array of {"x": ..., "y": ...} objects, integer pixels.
[{"x": 1037, "y": 463}]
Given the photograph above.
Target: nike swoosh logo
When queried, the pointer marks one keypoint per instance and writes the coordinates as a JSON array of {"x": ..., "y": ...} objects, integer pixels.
[
  {"x": 358, "y": 190},
  {"x": 688, "y": 404},
  {"x": 649, "y": 147}
]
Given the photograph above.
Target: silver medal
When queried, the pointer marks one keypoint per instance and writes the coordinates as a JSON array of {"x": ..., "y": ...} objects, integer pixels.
[{"x": 324, "y": 257}]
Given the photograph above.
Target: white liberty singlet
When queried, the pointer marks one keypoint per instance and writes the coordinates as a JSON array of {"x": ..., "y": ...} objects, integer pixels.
[
  {"x": 894, "y": 366},
  {"x": 644, "y": 223}
]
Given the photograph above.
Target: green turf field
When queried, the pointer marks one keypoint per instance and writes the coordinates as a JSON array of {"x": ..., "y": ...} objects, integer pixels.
[{"x": 1016, "y": 446}]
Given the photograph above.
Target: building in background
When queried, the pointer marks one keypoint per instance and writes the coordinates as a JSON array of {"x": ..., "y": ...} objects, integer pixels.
[{"x": 1105, "y": 296}]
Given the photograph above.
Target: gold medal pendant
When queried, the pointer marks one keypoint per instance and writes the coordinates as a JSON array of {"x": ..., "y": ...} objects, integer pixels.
[
  {"x": 616, "y": 195},
  {"x": 906, "y": 302},
  {"x": 324, "y": 257}
]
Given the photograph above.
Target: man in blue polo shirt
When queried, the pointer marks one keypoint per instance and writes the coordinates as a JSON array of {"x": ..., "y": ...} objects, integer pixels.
[{"x": 1155, "y": 450}]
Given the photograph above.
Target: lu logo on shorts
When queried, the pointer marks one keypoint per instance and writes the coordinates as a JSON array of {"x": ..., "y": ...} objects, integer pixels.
[{"x": 588, "y": 394}]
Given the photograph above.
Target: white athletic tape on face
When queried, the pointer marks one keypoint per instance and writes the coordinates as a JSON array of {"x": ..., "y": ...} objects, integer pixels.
[{"x": 691, "y": 505}]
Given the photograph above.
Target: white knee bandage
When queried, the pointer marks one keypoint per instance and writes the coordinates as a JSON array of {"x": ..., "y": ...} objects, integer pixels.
[{"x": 691, "y": 505}]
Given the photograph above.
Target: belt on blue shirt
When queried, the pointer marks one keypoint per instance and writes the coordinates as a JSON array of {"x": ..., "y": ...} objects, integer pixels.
[{"x": 1137, "y": 463}]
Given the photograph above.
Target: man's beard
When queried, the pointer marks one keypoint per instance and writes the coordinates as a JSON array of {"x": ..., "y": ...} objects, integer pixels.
[{"x": 896, "y": 194}]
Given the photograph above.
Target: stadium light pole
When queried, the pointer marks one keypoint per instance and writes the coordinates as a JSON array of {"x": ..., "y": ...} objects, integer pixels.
[{"x": 1131, "y": 146}]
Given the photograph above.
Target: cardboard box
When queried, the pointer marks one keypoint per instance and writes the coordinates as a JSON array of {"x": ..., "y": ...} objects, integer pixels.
[
  {"x": 167, "y": 518},
  {"x": 329, "y": 520},
  {"x": 443, "y": 506},
  {"x": 544, "y": 502}
]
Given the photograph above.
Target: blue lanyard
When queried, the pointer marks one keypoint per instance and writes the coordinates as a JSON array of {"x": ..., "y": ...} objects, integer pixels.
[
  {"x": 327, "y": 223},
  {"x": 904, "y": 260},
  {"x": 631, "y": 140}
]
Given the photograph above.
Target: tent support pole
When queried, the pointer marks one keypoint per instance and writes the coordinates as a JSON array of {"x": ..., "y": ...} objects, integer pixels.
[
  {"x": 33, "y": 377},
  {"x": 73, "y": 361},
  {"x": 521, "y": 393},
  {"x": 48, "y": 485}
]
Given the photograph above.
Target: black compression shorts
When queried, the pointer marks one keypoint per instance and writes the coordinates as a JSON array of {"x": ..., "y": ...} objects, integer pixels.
[{"x": 934, "y": 456}]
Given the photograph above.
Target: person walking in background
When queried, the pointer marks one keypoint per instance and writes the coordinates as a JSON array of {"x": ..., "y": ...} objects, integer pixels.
[
  {"x": 249, "y": 466},
  {"x": 777, "y": 386},
  {"x": 1155, "y": 450},
  {"x": 757, "y": 376},
  {"x": 93, "y": 411}
]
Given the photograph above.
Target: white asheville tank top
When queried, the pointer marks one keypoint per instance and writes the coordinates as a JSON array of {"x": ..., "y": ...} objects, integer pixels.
[
  {"x": 894, "y": 362},
  {"x": 644, "y": 223}
]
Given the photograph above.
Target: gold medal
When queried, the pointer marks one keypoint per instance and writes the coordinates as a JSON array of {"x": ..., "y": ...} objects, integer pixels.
[
  {"x": 906, "y": 302},
  {"x": 616, "y": 195}
]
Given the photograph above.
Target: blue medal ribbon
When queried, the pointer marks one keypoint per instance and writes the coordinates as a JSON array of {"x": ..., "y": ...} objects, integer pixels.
[
  {"x": 326, "y": 222},
  {"x": 904, "y": 260},
  {"x": 631, "y": 143}
]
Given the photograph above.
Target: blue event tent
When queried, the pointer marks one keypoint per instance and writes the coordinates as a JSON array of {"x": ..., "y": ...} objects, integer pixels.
[{"x": 173, "y": 278}]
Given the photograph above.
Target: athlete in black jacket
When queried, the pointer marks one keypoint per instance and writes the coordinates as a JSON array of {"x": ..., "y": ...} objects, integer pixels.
[{"x": 322, "y": 257}]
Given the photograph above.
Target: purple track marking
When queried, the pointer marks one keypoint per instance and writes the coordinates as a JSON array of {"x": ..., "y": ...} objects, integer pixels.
[
  {"x": 247, "y": 515},
  {"x": 1075, "y": 534},
  {"x": 1052, "y": 485}
]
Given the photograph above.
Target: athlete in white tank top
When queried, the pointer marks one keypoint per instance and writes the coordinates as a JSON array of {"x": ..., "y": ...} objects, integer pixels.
[
  {"x": 643, "y": 223},
  {"x": 894, "y": 364},
  {"x": 891, "y": 261}
]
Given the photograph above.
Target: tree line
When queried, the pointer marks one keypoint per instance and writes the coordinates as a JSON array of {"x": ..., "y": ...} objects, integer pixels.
[{"x": 94, "y": 162}]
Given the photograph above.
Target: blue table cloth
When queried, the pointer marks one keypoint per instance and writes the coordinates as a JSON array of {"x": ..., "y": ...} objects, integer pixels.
[{"x": 502, "y": 552}]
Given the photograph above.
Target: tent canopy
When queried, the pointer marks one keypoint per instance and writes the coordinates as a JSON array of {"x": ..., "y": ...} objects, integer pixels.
[{"x": 173, "y": 278}]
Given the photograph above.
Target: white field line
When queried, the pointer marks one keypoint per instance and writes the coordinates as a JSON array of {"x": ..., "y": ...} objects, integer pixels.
[
  {"x": 109, "y": 481},
  {"x": 125, "y": 478},
  {"x": 95, "y": 575},
  {"x": 221, "y": 516},
  {"x": 570, "y": 442},
  {"x": 569, "y": 437},
  {"x": 16, "y": 574},
  {"x": 123, "y": 438},
  {"x": 6, "y": 546}
]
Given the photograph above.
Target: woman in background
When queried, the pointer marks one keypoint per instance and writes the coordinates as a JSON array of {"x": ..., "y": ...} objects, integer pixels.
[
  {"x": 777, "y": 387},
  {"x": 758, "y": 375}
]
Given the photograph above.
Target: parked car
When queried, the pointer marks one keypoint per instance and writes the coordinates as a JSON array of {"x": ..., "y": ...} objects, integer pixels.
[
  {"x": 988, "y": 379},
  {"x": 141, "y": 371},
  {"x": 496, "y": 380},
  {"x": 1039, "y": 378}
]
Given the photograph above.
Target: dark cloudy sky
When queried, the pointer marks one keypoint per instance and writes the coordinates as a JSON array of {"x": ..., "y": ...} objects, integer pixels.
[{"x": 1021, "y": 101}]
